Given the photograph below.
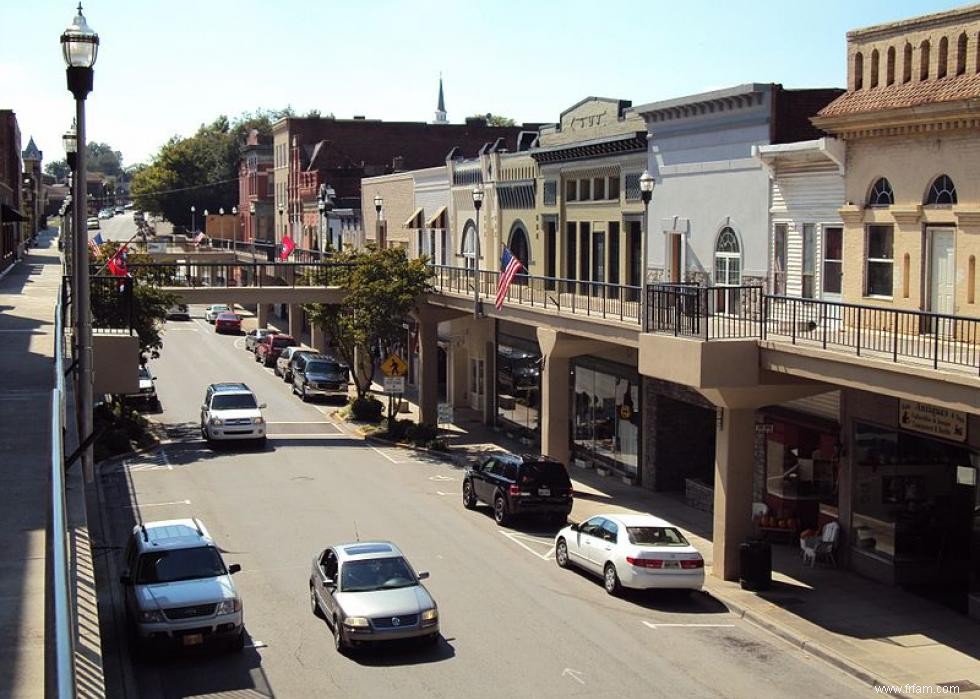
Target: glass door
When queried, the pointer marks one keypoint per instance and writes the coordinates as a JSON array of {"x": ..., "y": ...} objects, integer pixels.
[{"x": 833, "y": 242}]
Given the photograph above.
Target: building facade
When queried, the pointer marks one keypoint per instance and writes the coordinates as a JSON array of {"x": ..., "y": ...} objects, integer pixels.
[
  {"x": 10, "y": 188},
  {"x": 256, "y": 191},
  {"x": 33, "y": 189}
]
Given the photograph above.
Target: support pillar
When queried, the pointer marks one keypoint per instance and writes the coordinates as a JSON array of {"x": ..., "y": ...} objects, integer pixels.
[
  {"x": 428, "y": 371},
  {"x": 555, "y": 408},
  {"x": 262, "y": 315},
  {"x": 296, "y": 321},
  {"x": 734, "y": 459}
]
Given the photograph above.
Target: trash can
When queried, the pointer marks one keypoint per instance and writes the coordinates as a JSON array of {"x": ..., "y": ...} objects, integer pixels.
[{"x": 755, "y": 565}]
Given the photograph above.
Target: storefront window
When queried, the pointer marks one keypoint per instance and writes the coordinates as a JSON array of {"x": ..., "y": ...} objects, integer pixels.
[
  {"x": 914, "y": 500},
  {"x": 519, "y": 385},
  {"x": 606, "y": 416},
  {"x": 801, "y": 472}
]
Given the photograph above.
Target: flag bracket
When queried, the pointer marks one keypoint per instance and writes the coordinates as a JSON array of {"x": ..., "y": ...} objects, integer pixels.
[
  {"x": 71, "y": 367},
  {"x": 86, "y": 443}
]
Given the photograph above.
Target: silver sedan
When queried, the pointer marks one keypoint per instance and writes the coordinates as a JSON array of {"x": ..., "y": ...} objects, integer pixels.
[{"x": 368, "y": 592}]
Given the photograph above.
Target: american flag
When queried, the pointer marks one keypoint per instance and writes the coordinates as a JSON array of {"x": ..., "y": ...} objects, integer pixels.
[
  {"x": 510, "y": 266},
  {"x": 198, "y": 238},
  {"x": 94, "y": 244}
]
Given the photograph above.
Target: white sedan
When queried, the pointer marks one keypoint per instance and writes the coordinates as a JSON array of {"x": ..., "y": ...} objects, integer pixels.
[
  {"x": 212, "y": 312},
  {"x": 627, "y": 550}
]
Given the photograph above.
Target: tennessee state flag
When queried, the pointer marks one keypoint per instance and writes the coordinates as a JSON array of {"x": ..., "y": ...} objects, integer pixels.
[
  {"x": 117, "y": 264},
  {"x": 287, "y": 247}
]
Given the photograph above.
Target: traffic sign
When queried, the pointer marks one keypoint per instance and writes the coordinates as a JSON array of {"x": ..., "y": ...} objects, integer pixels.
[
  {"x": 444, "y": 413},
  {"x": 394, "y": 385},
  {"x": 394, "y": 366}
]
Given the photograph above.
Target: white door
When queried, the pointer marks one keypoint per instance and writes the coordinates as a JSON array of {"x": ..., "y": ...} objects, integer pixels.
[
  {"x": 943, "y": 272},
  {"x": 476, "y": 384}
]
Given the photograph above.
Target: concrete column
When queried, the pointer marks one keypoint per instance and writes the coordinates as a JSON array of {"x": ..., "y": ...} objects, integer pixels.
[
  {"x": 262, "y": 315},
  {"x": 734, "y": 456},
  {"x": 555, "y": 408},
  {"x": 428, "y": 371},
  {"x": 296, "y": 321},
  {"x": 459, "y": 360}
]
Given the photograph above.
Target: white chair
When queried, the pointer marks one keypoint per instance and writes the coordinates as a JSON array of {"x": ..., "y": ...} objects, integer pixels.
[{"x": 822, "y": 546}]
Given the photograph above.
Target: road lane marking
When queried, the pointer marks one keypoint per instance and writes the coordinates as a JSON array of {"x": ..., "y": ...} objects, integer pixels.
[
  {"x": 441, "y": 478},
  {"x": 257, "y": 644},
  {"x": 689, "y": 626},
  {"x": 439, "y": 492},
  {"x": 161, "y": 504},
  {"x": 516, "y": 538},
  {"x": 303, "y": 422},
  {"x": 321, "y": 435},
  {"x": 574, "y": 674},
  {"x": 167, "y": 461}
]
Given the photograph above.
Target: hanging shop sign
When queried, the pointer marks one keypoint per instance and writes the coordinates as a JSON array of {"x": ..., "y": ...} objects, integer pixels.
[{"x": 932, "y": 420}]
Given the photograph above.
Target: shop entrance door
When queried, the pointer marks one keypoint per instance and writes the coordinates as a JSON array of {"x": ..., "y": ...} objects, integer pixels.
[
  {"x": 942, "y": 277},
  {"x": 476, "y": 383}
]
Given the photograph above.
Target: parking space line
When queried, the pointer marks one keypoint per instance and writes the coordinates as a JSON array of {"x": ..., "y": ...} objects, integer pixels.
[
  {"x": 688, "y": 626},
  {"x": 516, "y": 539},
  {"x": 163, "y": 504}
]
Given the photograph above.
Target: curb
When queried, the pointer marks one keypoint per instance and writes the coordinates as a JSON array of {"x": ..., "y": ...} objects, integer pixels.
[
  {"x": 5, "y": 272},
  {"x": 801, "y": 642},
  {"x": 457, "y": 459}
]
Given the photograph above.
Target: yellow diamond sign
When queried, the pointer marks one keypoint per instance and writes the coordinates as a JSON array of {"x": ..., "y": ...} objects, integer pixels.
[{"x": 394, "y": 366}]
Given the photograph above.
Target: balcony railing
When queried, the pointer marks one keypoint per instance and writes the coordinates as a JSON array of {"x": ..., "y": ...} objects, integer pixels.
[
  {"x": 908, "y": 336},
  {"x": 229, "y": 274},
  {"x": 593, "y": 299}
]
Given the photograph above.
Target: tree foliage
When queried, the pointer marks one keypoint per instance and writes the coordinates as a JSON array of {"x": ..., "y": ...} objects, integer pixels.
[
  {"x": 150, "y": 304},
  {"x": 58, "y": 169},
  {"x": 199, "y": 171},
  {"x": 495, "y": 119},
  {"x": 100, "y": 160},
  {"x": 382, "y": 286}
]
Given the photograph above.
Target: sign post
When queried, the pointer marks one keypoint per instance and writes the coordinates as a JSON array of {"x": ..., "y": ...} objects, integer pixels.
[{"x": 394, "y": 369}]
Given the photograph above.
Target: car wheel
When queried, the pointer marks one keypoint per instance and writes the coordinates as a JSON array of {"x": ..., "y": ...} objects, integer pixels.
[
  {"x": 314, "y": 605},
  {"x": 237, "y": 644},
  {"x": 469, "y": 498},
  {"x": 561, "y": 554},
  {"x": 610, "y": 580},
  {"x": 303, "y": 395},
  {"x": 261, "y": 441},
  {"x": 432, "y": 639},
  {"x": 275, "y": 370},
  {"x": 338, "y": 638},
  {"x": 500, "y": 514},
  {"x": 257, "y": 358}
]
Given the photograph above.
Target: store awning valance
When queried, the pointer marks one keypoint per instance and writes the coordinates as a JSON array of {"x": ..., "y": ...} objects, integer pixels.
[
  {"x": 9, "y": 214},
  {"x": 438, "y": 220},
  {"x": 415, "y": 220}
]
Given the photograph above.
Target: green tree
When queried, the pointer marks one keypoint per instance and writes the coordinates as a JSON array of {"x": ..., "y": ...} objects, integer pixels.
[
  {"x": 495, "y": 119},
  {"x": 102, "y": 159},
  {"x": 382, "y": 286},
  {"x": 58, "y": 169}
]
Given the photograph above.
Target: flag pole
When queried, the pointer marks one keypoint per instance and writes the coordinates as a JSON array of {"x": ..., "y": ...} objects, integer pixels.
[{"x": 121, "y": 247}]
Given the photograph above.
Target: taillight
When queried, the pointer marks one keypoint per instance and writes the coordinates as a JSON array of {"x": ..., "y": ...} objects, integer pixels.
[
  {"x": 514, "y": 490},
  {"x": 691, "y": 563},
  {"x": 645, "y": 562}
]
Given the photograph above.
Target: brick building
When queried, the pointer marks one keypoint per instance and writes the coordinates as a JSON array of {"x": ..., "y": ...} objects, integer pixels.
[
  {"x": 10, "y": 187},
  {"x": 256, "y": 188},
  {"x": 33, "y": 192}
]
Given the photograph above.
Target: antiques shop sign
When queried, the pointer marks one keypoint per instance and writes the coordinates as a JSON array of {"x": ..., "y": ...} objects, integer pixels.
[{"x": 932, "y": 420}]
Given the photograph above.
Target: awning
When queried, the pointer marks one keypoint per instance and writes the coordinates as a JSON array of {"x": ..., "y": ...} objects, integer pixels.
[
  {"x": 415, "y": 220},
  {"x": 438, "y": 220},
  {"x": 9, "y": 214}
]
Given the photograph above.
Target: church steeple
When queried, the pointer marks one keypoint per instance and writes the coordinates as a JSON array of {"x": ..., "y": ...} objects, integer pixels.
[{"x": 441, "y": 107}]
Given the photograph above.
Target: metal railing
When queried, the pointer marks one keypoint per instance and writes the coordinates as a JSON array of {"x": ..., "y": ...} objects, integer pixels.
[
  {"x": 719, "y": 313},
  {"x": 230, "y": 274},
  {"x": 594, "y": 299},
  {"x": 112, "y": 304},
  {"x": 63, "y": 671}
]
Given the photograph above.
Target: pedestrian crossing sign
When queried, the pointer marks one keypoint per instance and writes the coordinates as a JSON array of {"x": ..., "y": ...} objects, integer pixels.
[{"x": 394, "y": 366}]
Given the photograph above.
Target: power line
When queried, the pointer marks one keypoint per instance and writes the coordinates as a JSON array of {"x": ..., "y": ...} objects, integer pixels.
[{"x": 184, "y": 189}]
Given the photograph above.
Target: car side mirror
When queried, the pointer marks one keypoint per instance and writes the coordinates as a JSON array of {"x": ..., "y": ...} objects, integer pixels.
[
  {"x": 234, "y": 568},
  {"x": 261, "y": 406},
  {"x": 423, "y": 574},
  {"x": 204, "y": 407},
  {"x": 154, "y": 378},
  {"x": 125, "y": 580},
  {"x": 573, "y": 526}
]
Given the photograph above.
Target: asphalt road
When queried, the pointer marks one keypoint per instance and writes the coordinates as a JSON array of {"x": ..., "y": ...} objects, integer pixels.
[
  {"x": 121, "y": 227},
  {"x": 513, "y": 623}
]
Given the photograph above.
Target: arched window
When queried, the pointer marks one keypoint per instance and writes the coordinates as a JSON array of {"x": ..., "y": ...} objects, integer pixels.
[
  {"x": 924, "y": 60},
  {"x": 942, "y": 191},
  {"x": 961, "y": 54},
  {"x": 858, "y": 71},
  {"x": 881, "y": 193},
  {"x": 890, "y": 67},
  {"x": 728, "y": 259},
  {"x": 873, "y": 78},
  {"x": 907, "y": 63},
  {"x": 468, "y": 248},
  {"x": 943, "y": 57},
  {"x": 520, "y": 249}
]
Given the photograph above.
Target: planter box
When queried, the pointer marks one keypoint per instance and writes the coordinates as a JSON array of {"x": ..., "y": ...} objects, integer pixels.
[{"x": 699, "y": 495}]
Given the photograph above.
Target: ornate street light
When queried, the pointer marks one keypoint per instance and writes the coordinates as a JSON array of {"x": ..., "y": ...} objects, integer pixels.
[
  {"x": 193, "y": 218},
  {"x": 80, "y": 48},
  {"x": 477, "y": 203},
  {"x": 379, "y": 234},
  {"x": 646, "y": 194}
]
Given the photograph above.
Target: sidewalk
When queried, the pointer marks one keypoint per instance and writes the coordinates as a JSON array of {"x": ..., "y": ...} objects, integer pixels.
[
  {"x": 28, "y": 296},
  {"x": 879, "y": 634}
]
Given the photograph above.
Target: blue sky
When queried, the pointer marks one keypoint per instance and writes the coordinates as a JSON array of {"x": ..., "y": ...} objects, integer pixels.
[{"x": 166, "y": 67}]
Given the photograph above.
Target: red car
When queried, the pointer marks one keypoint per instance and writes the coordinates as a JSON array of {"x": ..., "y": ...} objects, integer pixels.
[
  {"x": 228, "y": 322},
  {"x": 268, "y": 349}
]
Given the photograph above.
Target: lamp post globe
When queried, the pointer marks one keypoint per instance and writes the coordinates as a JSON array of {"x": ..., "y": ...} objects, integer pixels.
[
  {"x": 478, "y": 194},
  {"x": 647, "y": 183}
]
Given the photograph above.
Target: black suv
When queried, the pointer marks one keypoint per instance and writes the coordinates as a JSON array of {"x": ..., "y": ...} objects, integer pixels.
[{"x": 516, "y": 485}]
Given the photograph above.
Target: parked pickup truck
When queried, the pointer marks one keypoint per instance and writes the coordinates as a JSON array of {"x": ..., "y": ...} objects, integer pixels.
[{"x": 268, "y": 349}]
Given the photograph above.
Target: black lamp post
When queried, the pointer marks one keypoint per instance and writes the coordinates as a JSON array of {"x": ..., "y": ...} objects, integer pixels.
[
  {"x": 379, "y": 234},
  {"x": 80, "y": 48},
  {"x": 193, "y": 217},
  {"x": 646, "y": 194},
  {"x": 477, "y": 203},
  {"x": 251, "y": 226}
]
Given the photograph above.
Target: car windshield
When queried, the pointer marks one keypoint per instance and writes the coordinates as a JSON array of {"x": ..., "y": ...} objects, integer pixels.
[
  {"x": 656, "y": 536},
  {"x": 227, "y": 316},
  {"x": 233, "y": 401},
  {"x": 376, "y": 574},
  {"x": 218, "y": 309},
  {"x": 282, "y": 342},
  {"x": 145, "y": 373},
  {"x": 179, "y": 564},
  {"x": 323, "y": 368}
]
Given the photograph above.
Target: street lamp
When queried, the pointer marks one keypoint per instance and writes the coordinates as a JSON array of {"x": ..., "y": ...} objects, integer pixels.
[
  {"x": 251, "y": 226},
  {"x": 234, "y": 230},
  {"x": 379, "y": 235},
  {"x": 477, "y": 203},
  {"x": 646, "y": 194},
  {"x": 80, "y": 47},
  {"x": 193, "y": 218}
]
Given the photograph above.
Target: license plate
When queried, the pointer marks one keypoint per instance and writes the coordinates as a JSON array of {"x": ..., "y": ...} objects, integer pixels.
[
  {"x": 193, "y": 639},
  {"x": 544, "y": 492},
  {"x": 672, "y": 564}
]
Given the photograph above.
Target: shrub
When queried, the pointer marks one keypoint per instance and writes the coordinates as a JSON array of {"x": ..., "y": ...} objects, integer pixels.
[
  {"x": 399, "y": 429},
  {"x": 366, "y": 409},
  {"x": 438, "y": 444},
  {"x": 422, "y": 434}
]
